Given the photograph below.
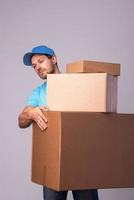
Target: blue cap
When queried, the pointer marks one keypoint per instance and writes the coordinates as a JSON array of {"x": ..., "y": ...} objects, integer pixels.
[{"x": 37, "y": 50}]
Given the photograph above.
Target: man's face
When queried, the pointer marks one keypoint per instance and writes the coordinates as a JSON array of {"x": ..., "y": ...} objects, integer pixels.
[{"x": 43, "y": 65}]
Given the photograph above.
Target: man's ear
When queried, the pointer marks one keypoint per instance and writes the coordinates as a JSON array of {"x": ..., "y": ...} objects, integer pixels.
[{"x": 54, "y": 60}]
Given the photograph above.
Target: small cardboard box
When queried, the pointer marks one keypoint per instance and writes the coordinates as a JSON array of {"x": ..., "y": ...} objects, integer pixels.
[
  {"x": 85, "y": 66},
  {"x": 82, "y": 150},
  {"x": 95, "y": 92}
]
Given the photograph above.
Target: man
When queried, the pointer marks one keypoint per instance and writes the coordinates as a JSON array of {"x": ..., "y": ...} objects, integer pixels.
[{"x": 44, "y": 61}]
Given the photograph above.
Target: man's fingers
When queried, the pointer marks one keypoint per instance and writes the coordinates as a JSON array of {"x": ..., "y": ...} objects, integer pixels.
[
  {"x": 41, "y": 120},
  {"x": 41, "y": 127},
  {"x": 43, "y": 117},
  {"x": 41, "y": 124},
  {"x": 44, "y": 108},
  {"x": 41, "y": 114},
  {"x": 39, "y": 117}
]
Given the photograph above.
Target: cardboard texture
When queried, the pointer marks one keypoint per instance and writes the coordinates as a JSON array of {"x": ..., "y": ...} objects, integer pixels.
[
  {"x": 85, "y": 66},
  {"x": 82, "y": 150},
  {"x": 82, "y": 92}
]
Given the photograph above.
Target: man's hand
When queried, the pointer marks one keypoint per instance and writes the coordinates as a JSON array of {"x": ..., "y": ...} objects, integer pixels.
[
  {"x": 37, "y": 115},
  {"x": 30, "y": 114}
]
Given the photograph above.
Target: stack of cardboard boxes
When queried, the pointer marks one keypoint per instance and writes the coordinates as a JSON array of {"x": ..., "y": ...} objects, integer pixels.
[{"x": 87, "y": 143}]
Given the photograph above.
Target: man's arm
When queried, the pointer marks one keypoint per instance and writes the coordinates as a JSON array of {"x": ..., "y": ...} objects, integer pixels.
[{"x": 30, "y": 114}]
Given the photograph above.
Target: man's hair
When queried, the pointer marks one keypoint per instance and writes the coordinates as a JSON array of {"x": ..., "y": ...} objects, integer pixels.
[{"x": 49, "y": 56}]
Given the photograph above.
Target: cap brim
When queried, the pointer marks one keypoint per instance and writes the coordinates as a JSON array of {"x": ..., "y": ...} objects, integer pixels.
[{"x": 27, "y": 59}]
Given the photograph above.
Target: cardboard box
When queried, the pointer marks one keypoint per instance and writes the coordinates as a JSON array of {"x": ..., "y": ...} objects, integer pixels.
[
  {"x": 82, "y": 150},
  {"x": 85, "y": 66},
  {"x": 82, "y": 92}
]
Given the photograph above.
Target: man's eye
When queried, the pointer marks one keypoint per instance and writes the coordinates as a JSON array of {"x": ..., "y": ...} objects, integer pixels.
[{"x": 40, "y": 61}]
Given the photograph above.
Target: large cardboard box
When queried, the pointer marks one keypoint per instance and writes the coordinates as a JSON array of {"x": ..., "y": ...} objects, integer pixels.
[
  {"x": 82, "y": 92},
  {"x": 81, "y": 150},
  {"x": 85, "y": 66}
]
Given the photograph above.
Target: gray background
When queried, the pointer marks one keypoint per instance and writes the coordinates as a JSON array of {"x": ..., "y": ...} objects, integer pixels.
[{"x": 101, "y": 30}]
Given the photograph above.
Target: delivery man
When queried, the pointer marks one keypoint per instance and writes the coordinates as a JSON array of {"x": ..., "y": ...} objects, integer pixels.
[{"x": 43, "y": 60}]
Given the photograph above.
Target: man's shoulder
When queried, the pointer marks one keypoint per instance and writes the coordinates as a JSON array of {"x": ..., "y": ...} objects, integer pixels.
[
  {"x": 40, "y": 87},
  {"x": 38, "y": 95}
]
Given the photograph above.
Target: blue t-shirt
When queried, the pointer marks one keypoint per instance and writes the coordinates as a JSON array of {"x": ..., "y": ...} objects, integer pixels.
[{"x": 38, "y": 96}]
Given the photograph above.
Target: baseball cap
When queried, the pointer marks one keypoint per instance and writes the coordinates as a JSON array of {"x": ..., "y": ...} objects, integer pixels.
[{"x": 42, "y": 49}]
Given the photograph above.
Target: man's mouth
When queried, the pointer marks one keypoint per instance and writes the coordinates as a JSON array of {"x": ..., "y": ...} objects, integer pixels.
[{"x": 42, "y": 72}]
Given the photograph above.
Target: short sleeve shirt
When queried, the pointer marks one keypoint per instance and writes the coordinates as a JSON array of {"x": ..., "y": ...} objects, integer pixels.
[{"x": 38, "y": 96}]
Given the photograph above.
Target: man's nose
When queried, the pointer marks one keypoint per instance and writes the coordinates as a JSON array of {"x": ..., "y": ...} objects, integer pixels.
[{"x": 37, "y": 66}]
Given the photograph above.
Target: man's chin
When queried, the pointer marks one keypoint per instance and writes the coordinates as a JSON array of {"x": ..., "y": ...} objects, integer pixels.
[{"x": 43, "y": 77}]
